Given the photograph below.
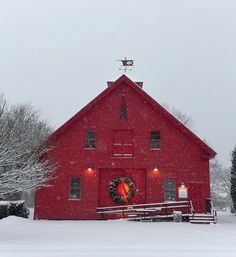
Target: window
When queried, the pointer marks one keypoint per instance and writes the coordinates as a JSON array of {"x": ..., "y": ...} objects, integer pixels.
[
  {"x": 123, "y": 143},
  {"x": 123, "y": 109},
  {"x": 170, "y": 189},
  {"x": 155, "y": 139},
  {"x": 91, "y": 139},
  {"x": 123, "y": 112},
  {"x": 75, "y": 188}
]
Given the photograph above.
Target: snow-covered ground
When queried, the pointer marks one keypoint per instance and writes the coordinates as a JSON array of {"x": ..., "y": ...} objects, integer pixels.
[{"x": 28, "y": 238}]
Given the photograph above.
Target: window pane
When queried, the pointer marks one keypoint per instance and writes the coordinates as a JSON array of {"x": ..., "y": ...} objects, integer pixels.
[
  {"x": 155, "y": 139},
  {"x": 91, "y": 135},
  {"x": 123, "y": 112},
  {"x": 75, "y": 182},
  {"x": 169, "y": 196},
  {"x": 170, "y": 190},
  {"x": 90, "y": 143},
  {"x": 155, "y": 134},
  {"x": 169, "y": 184},
  {"x": 91, "y": 139},
  {"x": 155, "y": 143},
  {"x": 75, "y": 188}
]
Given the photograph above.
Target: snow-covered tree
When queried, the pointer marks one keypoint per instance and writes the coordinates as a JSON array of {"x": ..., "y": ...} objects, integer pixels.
[
  {"x": 220, "y": 184},
  {"x": 21, "y": 164},
  {"x": 233, "y": 178}
]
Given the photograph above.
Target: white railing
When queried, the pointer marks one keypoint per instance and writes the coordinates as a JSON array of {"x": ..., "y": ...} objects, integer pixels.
[
  {"x": 144, "y": 204},
  {"x": 191, "y": 207},
  {"x": 213, "y": 211},
  {"x": 147, "y": 210}
]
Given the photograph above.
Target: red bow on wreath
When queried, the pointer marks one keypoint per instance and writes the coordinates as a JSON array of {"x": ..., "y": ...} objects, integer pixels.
[{"x": 123, "y": 190}]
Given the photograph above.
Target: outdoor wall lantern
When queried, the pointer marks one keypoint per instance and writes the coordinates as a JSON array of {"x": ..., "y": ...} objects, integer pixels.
[
  {"x": 156, "y": 170},
  {"x": 90, "y": 169}
]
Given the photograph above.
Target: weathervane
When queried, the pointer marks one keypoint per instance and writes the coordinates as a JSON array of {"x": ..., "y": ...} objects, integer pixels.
[{"x": 125, "y": 64}]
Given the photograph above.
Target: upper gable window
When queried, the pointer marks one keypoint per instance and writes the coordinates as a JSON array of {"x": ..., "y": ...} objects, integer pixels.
[
  {"x": 155, "y": 139},
  {"x": 123, "y": 109},
  {"x": 123, "y": 112},
  {"x": 91, "y": 139}
]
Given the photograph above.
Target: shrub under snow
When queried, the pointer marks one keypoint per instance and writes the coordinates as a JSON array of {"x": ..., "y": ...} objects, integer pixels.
[{"x": 15, "y": 208}]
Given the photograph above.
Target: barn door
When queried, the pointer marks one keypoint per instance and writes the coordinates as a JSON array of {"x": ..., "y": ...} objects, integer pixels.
[
  {"x": 139, "y": 178},
  {"x": 105, "y": 177}
]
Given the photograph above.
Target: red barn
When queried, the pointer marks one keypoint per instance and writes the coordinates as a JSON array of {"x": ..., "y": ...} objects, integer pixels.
[{"x": 124, "y": 149}]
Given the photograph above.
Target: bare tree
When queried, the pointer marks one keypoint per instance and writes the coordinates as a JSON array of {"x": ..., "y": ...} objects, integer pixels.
[
  {"x": 179, "y": 115},
  {"x": 22, "y": 166},
  {"x": 220, "y": 176}
]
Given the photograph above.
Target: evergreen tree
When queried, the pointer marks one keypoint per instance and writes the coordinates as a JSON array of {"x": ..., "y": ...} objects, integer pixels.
[{"x": 233, "y": 178}]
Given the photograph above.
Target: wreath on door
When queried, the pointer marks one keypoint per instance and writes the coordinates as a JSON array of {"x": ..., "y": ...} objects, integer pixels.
[{"x": 121, "y": 190}]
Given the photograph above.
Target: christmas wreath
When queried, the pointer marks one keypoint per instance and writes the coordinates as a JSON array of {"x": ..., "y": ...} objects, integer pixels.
[{"x": 121, "y": 190}]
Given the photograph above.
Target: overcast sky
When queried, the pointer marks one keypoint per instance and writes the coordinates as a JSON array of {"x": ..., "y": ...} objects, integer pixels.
[{"x": 58, "y": 56}]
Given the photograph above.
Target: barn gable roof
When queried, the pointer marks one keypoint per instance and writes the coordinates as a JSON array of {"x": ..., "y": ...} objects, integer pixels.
[{"x": 136, "y": 87}]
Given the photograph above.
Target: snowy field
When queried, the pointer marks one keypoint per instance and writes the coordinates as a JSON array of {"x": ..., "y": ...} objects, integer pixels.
[{"x": 28, "y": 238}]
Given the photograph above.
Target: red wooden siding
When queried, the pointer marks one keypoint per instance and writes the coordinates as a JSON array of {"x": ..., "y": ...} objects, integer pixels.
[{"x": 122, "y": 147}]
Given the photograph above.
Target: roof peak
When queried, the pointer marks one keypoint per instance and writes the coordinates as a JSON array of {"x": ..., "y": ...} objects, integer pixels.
[
  {"x": 210, "y": 153},
  {"x": 124, "y": 77}
]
